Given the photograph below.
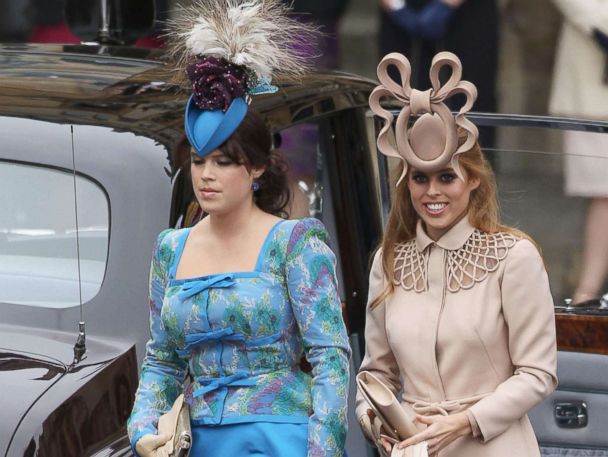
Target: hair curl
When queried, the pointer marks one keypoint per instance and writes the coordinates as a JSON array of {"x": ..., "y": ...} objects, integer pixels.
[{"x": 251, "y": 146}]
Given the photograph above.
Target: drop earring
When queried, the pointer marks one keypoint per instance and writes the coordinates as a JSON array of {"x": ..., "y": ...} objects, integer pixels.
[{"x": 255, "y": 186}]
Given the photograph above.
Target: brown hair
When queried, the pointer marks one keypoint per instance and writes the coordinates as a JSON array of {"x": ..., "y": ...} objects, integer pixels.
[
  {"x": 483, "y": 212},
  {"x": 251, "y": 145}
]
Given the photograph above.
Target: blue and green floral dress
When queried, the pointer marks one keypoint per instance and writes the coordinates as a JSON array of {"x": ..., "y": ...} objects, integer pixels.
[{"x": 240, "y": 337}]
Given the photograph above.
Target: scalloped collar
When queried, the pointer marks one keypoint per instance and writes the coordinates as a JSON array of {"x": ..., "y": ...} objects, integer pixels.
[{"x": 452, "y": 240}]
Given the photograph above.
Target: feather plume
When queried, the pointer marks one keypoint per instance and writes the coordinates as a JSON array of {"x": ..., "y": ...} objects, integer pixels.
[{"x": 257, "y": 34}]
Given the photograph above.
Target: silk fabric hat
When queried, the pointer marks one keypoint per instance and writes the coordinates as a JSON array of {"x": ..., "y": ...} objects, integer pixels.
[
  {"x": 207, "y": 130},
  {"x": 426, "y": 131}
]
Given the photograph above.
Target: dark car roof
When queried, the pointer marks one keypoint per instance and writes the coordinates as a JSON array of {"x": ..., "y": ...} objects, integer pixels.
[{"x": 95, "y": 85}]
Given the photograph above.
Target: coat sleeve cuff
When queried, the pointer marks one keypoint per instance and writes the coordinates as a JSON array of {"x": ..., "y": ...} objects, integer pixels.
[{"x": 474, "y": 425}]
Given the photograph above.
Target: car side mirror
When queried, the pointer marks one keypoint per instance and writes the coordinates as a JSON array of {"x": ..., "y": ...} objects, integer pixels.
[{"x": 119, "y": 22}]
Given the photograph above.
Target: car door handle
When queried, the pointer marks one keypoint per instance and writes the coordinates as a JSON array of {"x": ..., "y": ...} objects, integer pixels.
[{"x": 571, "y": 414}]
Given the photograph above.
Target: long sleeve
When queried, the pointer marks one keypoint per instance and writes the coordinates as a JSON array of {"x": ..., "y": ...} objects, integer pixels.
[
  {"x": 162, "y": 372},
  {"x": 312, "y": 288},
  {"x": 529, "y": 315},
  {"x": 585, "y": 15},
  {"x": 379, "y": 358}
]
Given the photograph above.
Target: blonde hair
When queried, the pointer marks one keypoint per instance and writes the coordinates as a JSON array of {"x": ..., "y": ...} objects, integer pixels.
[{"x": 483, "y": 213}]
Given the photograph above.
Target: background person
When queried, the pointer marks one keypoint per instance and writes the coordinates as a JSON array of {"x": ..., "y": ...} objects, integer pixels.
[{"x": 580, "y": 90}]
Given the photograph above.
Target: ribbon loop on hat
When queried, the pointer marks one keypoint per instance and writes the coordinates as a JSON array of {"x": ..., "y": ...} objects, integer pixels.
[
  {"x": 400, "y": 91},
  {"x": 415, "y": 103}
]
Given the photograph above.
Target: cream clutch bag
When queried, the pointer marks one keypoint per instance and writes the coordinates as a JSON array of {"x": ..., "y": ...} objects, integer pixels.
[
  {"x": 397, "y": 420},
  {"x": 177, "y": 424}
]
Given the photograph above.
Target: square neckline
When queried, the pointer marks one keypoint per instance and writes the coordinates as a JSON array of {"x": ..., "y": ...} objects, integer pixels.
[{"x": 256, "y": 269}]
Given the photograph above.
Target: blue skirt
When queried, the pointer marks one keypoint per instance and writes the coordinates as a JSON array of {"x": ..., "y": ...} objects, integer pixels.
[{"x": 258, "y": 439}]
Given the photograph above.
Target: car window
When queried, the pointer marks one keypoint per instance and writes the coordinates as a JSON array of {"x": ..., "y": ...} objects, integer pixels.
[
  {"x": 546, "y": 179},
  {"x": 38, "y": 244}
]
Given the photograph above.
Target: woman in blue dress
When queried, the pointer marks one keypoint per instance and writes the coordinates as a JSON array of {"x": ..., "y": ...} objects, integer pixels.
[{"x": 238, "y": 299}]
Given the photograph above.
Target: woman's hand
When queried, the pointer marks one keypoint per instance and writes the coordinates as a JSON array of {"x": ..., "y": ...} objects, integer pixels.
[
  {"x": 147, "y": 445},
  {"x": 440, "y": 431},
  {"x": 373, "y": 431}
]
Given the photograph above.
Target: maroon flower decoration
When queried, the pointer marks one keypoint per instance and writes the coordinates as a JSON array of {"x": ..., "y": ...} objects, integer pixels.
[{"x": 216, "y": 82}]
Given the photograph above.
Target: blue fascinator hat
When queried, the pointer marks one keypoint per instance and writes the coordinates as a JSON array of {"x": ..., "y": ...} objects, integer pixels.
[
  {"x": 207, "y": 130},
  {"x": 217, "y": 105},
  {"x": 231, "y": 50}
]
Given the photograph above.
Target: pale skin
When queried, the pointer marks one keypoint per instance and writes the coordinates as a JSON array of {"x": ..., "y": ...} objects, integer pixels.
[
  {"x": 232, "y": 235},
  {"x": 229, "y": 239},
  {"x": 440, "y": 199},
  {"x": 146, "y": 446},
  {"x": 440, "y": 431}
]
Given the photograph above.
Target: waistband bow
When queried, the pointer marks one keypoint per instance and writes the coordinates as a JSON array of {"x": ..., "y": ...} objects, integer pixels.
[
  {"x": 444, "y": 407},
  {"x": 238, "y": 379}
]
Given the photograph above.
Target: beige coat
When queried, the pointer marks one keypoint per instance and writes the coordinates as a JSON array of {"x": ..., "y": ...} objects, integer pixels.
[{"x": 470, "y": 327}]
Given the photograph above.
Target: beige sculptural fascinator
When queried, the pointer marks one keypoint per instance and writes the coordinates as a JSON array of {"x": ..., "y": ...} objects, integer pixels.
[{"x": 426, "y": 133}]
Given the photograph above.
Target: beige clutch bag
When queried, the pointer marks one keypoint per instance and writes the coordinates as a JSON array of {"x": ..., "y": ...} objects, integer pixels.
[
  {"x": 177, "y": 424},
  {"x": 397, "y": 420}
]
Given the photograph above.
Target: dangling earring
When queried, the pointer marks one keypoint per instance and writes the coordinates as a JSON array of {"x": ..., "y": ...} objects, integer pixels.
[{"x": 255, "y": 186}]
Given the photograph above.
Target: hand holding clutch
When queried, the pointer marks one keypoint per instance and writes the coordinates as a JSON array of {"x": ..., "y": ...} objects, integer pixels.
[
  {"x": 176, "y": 424},
  {"x": 373, "y": 430},
  {"x": 398, "y": 420},
  {"x": 371, "y": 427},
  {"x": 148, "y": 445},
  {"x": 415, "y": 450}
]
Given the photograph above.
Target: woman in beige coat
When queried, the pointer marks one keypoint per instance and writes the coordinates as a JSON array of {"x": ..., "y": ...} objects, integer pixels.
[{"x": 460, "y": 321}]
